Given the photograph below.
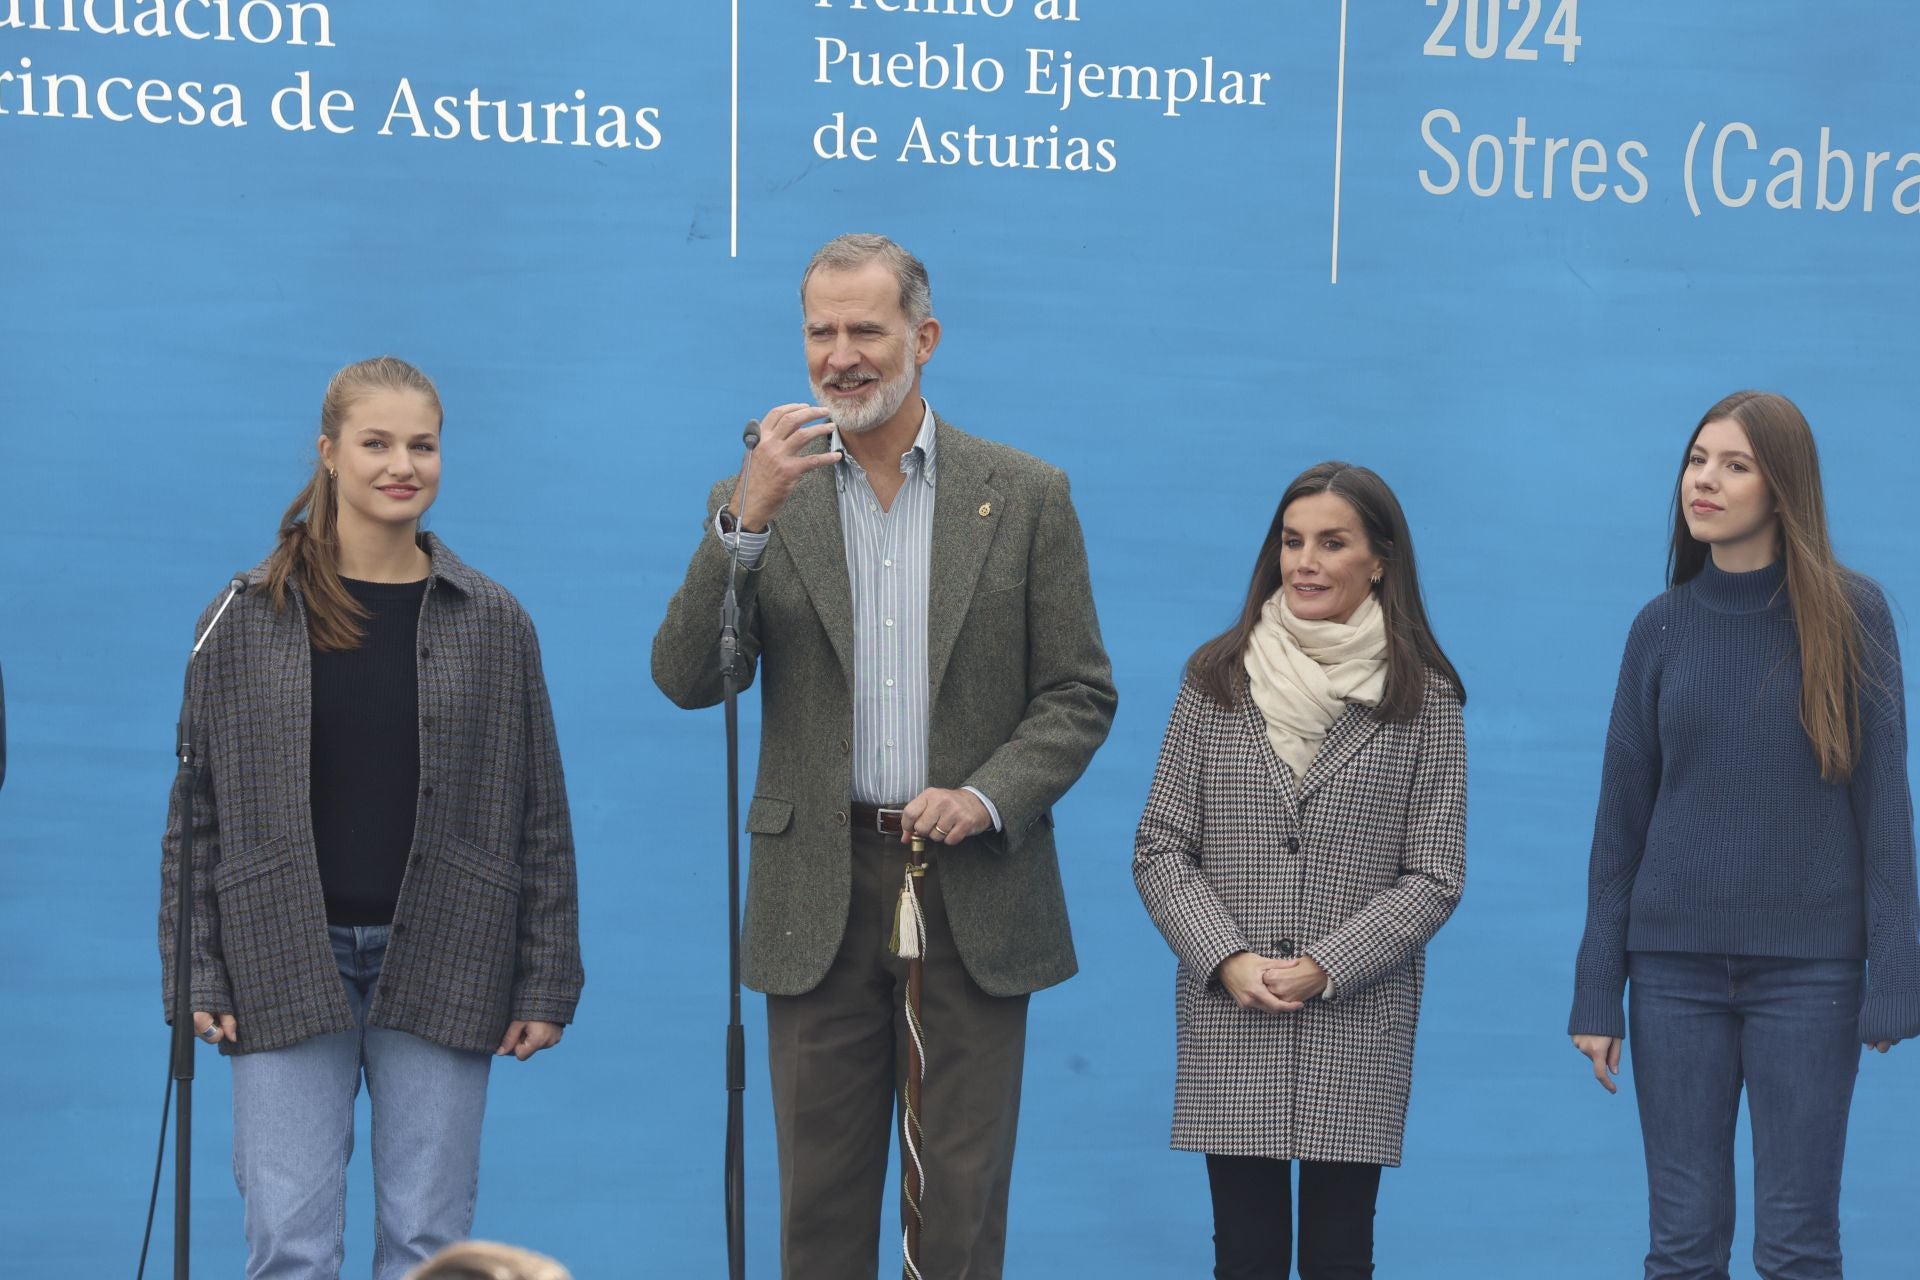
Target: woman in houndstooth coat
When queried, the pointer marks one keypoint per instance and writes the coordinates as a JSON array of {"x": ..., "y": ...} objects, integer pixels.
[{"x": 1304, "y": 838}]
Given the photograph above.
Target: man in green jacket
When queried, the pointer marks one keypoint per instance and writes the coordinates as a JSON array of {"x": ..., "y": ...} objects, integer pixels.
[{"x": 916, "y": 605}]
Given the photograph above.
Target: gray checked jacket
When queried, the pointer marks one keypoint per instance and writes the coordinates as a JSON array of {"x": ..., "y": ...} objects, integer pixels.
[
  {"x": 1357, "y": 865},
  {"x": 486, "y": 930}
]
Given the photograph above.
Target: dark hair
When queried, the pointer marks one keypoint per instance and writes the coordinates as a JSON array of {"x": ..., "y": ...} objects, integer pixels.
[
  {"x": 309, "y": 546},
  {"x": 1818, "y": 585},
  {"x": 1216, "y": 667}
]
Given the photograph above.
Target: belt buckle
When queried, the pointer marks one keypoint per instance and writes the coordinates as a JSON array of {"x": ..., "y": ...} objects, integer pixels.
[{"x": 880, "y": 813}]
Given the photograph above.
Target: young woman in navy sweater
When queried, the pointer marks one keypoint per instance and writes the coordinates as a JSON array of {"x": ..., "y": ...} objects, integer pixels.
[{"x": 1752, "y": 878}]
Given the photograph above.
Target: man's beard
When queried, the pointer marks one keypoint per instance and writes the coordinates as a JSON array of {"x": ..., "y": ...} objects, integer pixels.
[{"x": 858, "y": 418}]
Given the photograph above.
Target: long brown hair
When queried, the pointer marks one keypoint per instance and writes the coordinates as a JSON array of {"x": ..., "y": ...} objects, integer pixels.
[
  {"x": 309, "y": 546},
  {"x": 1216, "y": 666},
  {"x": 1818, "y": 585}
]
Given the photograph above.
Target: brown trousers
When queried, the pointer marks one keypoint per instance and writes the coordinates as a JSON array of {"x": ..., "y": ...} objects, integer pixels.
[{"x": 837, "y": 1054}]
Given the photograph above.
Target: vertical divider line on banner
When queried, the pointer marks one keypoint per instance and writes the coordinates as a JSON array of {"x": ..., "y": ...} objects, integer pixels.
[
  {"x": 733, "y": 162},
  {"x": 1339, "y": 134}
]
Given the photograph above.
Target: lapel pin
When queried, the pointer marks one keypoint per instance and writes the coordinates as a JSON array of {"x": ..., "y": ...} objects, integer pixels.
[{"x": 986, "y": 508}]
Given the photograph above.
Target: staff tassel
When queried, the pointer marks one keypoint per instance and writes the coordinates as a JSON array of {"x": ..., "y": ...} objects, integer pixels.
[{"x": 909, "y": 943}]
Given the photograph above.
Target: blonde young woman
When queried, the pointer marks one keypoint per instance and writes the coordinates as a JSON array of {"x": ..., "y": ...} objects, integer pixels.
[
  {"x": 384, "y": 864},
  {"x": 1752, "y": 878}
]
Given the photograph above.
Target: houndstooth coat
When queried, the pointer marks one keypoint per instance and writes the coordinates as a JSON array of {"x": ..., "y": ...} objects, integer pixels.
[
  {"x": 487, "y": 926},
  {"x": 1357, "y": 865}
]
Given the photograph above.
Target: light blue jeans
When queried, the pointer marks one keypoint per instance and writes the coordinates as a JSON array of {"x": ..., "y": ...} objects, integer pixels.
[
  {"x": 1702, "y": 1029},
  {"x": 293, "y": 1135}
]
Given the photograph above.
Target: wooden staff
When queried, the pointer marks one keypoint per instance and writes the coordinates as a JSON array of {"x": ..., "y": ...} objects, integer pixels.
[{"x": 909, "y": 939}]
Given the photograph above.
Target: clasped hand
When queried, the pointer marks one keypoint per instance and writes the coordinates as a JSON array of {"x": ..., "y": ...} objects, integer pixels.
[{"x": 1274, "y": 984}]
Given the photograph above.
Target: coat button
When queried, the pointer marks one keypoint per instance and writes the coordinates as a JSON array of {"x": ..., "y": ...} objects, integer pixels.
[
  {"x": 426, "y": 792},
  {"x": 1285, "y": 948},
  {"x": 846, "y": 748},
  {"x": 426, "y": 722},
  {"x": 1293, "y": 844},
  {"x": 840, "y": 818},
  {"x": 426, "y": 651}
]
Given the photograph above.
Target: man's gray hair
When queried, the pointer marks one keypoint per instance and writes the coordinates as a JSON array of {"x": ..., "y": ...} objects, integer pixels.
[{"x": 851, "y": 252}]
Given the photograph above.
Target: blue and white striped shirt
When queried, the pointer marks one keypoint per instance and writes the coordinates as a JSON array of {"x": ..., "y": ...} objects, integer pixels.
[{"x": 889, "y": 568}]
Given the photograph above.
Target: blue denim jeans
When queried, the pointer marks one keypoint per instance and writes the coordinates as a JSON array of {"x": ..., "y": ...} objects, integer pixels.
[
  {"x": 293, "y": 1135},
  {"x": 1700, "y": 1029}
]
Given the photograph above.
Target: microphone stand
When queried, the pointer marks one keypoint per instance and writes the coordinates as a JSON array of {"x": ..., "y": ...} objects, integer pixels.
[
  {"x": 736, "y": 1186},
  {"x": 187, "y": 786}
]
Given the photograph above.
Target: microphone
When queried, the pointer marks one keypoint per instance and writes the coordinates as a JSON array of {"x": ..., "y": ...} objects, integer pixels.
[
  {"x": 183, "y": 729},
  {"x": 750, "y": 438},
  {"x": 236, "y": 586},
  {"x": 730, "y": 604}
]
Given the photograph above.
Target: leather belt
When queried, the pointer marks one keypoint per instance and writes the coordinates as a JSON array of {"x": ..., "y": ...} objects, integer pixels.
[{"x": 884, "y": 819}]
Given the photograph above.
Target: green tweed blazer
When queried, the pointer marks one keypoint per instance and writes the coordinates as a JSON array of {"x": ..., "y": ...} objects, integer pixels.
[{"x": 1020, "y": 697}]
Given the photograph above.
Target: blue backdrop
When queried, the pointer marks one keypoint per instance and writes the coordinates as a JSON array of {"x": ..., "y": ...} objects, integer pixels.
[{"x": 1182, "y": 332}]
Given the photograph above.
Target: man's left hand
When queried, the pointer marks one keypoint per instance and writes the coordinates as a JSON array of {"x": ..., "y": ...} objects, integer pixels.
[{"x": 943, "y": 817}]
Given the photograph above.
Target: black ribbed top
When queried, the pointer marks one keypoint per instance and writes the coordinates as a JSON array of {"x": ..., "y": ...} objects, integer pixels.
[{"x": 366, "y": 756}]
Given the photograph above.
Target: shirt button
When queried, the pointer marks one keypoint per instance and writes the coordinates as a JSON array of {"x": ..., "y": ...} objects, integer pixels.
[
  {"x": 889, "y": 744},
  {"x": 889, "y": 684},
  {"x": 887, "y": 563},
  {"x": 889, "y": 621}
]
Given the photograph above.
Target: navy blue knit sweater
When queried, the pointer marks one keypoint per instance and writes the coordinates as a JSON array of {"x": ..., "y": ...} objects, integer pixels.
[{"x": 1716, "y": 832}]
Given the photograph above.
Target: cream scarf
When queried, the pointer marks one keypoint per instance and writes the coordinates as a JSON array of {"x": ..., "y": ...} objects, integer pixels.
[{"x": 1303, "y": 673}]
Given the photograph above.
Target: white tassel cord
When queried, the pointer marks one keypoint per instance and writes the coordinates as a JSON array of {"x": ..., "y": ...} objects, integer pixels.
[{"x": 909, "y": 922}]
